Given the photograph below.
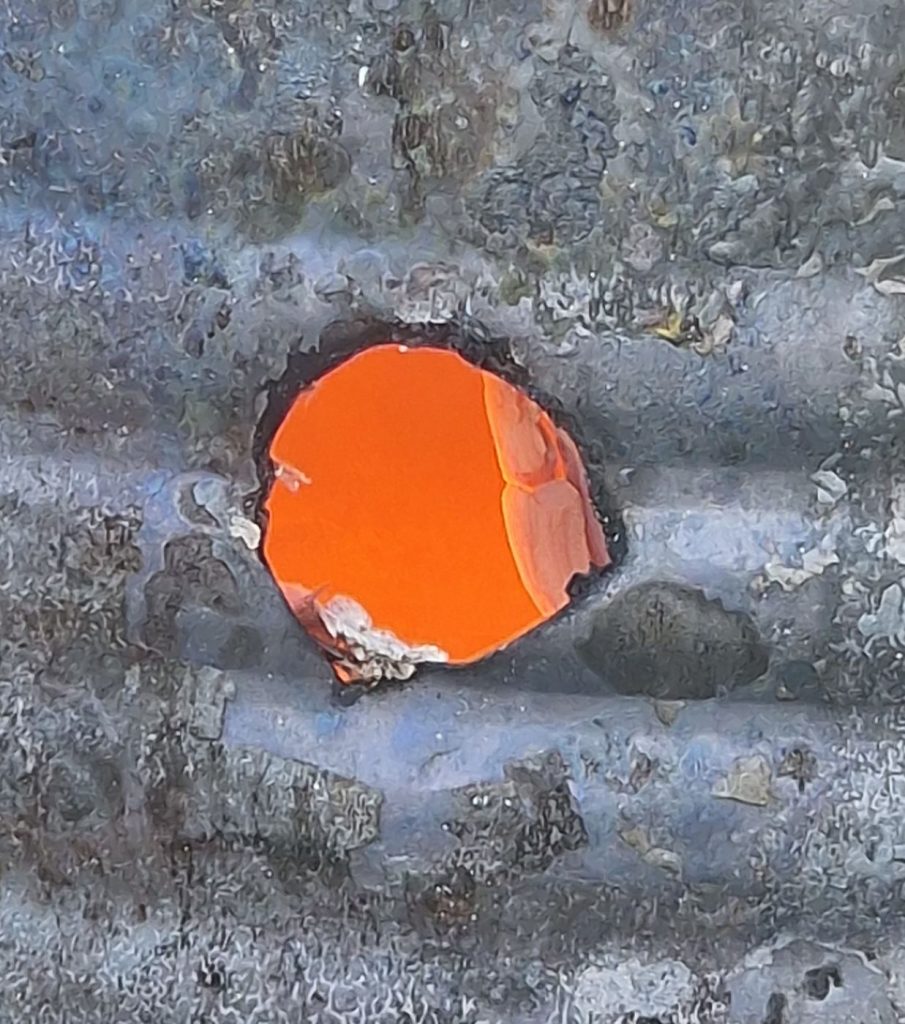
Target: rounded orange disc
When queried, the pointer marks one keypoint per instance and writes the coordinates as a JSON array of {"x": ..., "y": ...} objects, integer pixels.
[{"x": 440, "y": 499}]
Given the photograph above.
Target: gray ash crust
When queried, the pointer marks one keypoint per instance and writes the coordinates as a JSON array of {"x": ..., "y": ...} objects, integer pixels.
[{"x": 192, "y": 195}]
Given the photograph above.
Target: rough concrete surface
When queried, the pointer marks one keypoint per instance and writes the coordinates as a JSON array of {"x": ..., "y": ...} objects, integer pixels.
[{"x": 679, "y": 224}]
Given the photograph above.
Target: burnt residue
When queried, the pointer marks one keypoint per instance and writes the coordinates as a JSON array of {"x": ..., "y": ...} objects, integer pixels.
[
  {"x": 800, "y": 764},
  {"x": 446, "y": 903},
  {"x": 776, "y": 1009},
  {"x": 820, "y": 981},
  {"x": 520, "y": 825},
  {"x": 609, "y": 15}
]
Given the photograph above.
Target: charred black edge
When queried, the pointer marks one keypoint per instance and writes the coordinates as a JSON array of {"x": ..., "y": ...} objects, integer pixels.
[{"x": 343, "y": 339}]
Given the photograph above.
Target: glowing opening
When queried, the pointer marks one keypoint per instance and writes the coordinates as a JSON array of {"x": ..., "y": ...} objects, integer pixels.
[{"x": 440, "y": 499}]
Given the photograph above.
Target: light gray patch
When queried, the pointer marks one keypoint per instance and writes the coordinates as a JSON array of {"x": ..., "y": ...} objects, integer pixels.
[
  {"x": 212, "y": 691},
  {"x": 888, "y": 620},
  {"x": 629, "y": 989},
  {"x": 818, "y": 985}
]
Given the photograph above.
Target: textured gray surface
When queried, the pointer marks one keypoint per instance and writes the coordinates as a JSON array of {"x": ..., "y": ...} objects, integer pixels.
[{"x": 685, "y": 220}]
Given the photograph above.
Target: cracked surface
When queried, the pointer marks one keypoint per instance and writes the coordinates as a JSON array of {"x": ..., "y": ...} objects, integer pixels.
[{"x": 687, "y": 219}]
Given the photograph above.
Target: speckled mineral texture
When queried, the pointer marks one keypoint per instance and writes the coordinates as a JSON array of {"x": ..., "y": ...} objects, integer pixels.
[{"x": 687, "y": 217}]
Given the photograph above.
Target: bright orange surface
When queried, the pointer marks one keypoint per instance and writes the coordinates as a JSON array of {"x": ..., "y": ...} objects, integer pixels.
[{"x": 405, "y": 479}]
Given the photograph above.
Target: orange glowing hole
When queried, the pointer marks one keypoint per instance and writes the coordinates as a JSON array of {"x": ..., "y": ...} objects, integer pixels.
[{"x": 423, "y": 509}]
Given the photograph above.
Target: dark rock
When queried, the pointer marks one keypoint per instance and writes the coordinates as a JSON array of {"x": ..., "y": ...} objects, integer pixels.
[{"x": 669, "y": 641}]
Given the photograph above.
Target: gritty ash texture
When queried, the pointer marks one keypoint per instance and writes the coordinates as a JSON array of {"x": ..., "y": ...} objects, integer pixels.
[{"x": 684, "y": 219}]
